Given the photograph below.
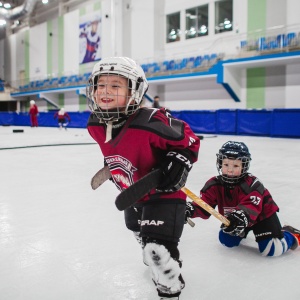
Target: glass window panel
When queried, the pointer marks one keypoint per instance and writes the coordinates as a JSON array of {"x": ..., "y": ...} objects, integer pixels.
[
  {"x": 196, "y": 20},
  {"x": 223, "y": 16},
  {"x": 173, "y": 27},
  {"x": 191, "y": 23},
  {"x": 202, "y": 20}
]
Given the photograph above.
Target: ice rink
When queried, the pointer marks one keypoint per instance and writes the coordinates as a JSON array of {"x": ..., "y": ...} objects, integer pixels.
[{"x": 60, "y": 240}]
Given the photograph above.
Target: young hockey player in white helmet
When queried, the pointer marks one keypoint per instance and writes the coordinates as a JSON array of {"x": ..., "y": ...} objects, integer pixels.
[
  {"x": 134, "y": 141},
  {"x": 247, "y": 204},
  {"x": 63, "y": 118},
  {"x": 33, "y": 113}
]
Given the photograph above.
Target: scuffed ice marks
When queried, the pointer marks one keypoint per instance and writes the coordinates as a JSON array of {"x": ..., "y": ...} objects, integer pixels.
[{"x": 124, "y": 282}]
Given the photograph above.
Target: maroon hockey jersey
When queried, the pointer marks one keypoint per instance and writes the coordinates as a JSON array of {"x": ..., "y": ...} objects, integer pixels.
[
  {"x": 33, "y": 110},
  {"x": 62, "y": 116},
  {"x": 249, "y": 195},
  {"x": 142, "y": 144}
]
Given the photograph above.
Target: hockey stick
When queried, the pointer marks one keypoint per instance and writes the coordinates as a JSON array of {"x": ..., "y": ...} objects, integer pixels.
[
  {"x": 143, "y": 186},
  {"x": 104, "y": 174},
  {"x": 152, "y": 178},
  {"x": 190, "y": 222},
  {"x": 205, "y": 206},
  {"x": 100, "y": 177},
  {"x": 201, "y": 137},
  {"x": 139, "y": 189}
]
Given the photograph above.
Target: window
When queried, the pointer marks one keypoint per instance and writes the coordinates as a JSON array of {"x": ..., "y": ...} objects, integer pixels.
[
  {"x": 196, "y": 22},
  {"x": 223, "y": 16},
  {"x": 173, "y": 27}
]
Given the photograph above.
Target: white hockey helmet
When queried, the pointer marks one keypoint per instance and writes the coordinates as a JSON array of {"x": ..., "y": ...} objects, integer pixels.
[
  {"x": 137, "y": 85},
  {"x": 32, "y": 102}
]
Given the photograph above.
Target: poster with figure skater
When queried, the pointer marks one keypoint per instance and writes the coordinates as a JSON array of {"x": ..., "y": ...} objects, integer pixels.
[{"x": 89, "y": 38}]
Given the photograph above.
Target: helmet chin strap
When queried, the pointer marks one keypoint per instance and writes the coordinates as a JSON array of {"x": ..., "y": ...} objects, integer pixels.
[
  {"x": 110, "y": 126},
  {"x": 108, "y": 131}
]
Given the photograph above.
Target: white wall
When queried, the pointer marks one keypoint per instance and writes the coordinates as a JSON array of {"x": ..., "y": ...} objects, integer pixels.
[
  {"x": 292, "y": 12},
  {"x": 111, "y": 18},
  {"x": 142, "y": 29},
  {"x": 2, "y": 59},
  {"x": 240, "y": 16},
  {"x": 71, "y": 42},
  {"x": 54, "y": 50},
  {"x": 275, "y": 93},
  {"x": 292, "y": 89},
  {"x": 71, "y": 101},
  {"x": 11, "y": 57},
  {"x": 38, "y": 52},
  {"x": 276, "y": 13}
]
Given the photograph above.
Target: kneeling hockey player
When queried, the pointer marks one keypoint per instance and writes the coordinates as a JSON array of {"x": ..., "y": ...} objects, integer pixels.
[{"x": 248, "y": 205}]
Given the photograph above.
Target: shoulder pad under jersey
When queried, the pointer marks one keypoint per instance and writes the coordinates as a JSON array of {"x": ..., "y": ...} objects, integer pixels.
[
  {"x": 212, "y": 182},
  {"x": 154, "y": 120},
  {"x": 94, "y": 121},
  {"x": 251, "y": 184}
]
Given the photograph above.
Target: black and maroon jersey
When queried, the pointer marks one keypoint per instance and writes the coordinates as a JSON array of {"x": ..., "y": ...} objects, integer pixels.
[
  {"x": 249, "y": 195},
  {"x": 142, "y": 144}
]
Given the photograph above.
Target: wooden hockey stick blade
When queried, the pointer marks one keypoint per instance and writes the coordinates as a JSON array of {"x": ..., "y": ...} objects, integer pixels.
[
  {"x": 138, "y": 190},
  {"x": 190, "y": 222},
  {"x": 100, "y": 177},
  {"x": 205, "y": 206}
]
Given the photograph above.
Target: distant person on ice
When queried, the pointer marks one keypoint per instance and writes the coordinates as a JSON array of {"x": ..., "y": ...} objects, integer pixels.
[
  {"x": 33, "y": 113},
  {"x": 246, "y": 203},
  {"x": 133, "y": 141},
  {"x": 156, "y": 102},
  {"x": 63, "y": 118}
]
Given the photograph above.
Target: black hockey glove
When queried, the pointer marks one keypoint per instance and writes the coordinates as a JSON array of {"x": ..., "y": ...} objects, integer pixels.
[
  {"x": 189, "y": 210},
  {"x": 175, "y": 167},
  {"x": 239, "y": 220}
]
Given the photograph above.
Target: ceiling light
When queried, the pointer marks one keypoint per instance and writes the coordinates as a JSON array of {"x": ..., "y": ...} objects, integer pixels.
[
  {"x": 226, "y": 21},
  {"x": 7, "y": 5},
  {"x": 203, "y": 29},
  {"x": 45, "y": 1},
  {"x": 2, "y": 22}
]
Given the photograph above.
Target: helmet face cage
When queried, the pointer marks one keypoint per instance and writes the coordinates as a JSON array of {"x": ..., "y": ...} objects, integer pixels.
[
  {"x": 128, "y": 76},
  {"x": 233, "y": 151}
]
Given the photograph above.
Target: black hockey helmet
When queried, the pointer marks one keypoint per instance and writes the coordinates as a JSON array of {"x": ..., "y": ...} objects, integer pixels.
[{"x": 234, "y": 150}]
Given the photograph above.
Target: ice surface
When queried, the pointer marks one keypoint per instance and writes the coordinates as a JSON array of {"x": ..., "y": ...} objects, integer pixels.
[{"x": 61, "y": 240}]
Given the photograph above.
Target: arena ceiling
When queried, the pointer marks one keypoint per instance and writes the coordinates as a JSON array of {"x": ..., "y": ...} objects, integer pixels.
[{"x": 18, "y": 16}]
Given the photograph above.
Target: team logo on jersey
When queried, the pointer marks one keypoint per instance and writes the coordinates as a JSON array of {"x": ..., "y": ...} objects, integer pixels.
[
  {"x": 191, "y": 141},
  {"x": 121, "y": 170}
]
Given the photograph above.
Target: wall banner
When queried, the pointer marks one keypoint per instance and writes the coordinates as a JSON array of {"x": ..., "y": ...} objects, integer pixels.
[{"x": 89, "y": 37}]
